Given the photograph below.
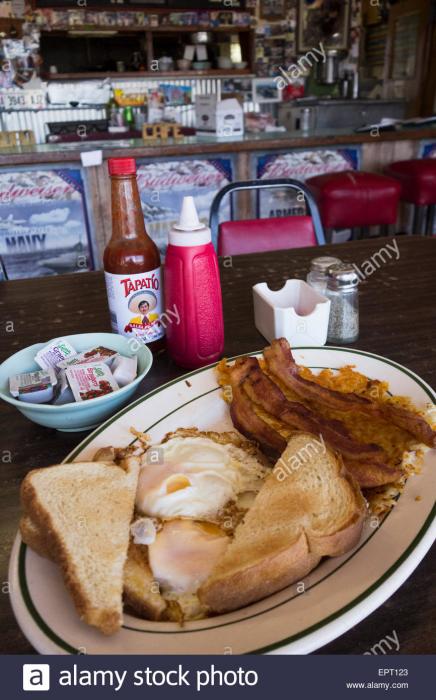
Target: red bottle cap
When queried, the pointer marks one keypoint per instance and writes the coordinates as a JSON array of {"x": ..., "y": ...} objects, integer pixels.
[{"x": 122, "y": 166}]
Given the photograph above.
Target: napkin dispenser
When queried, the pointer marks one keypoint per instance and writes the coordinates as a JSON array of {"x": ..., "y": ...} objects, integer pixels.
[{"x": 295, "y": 312}]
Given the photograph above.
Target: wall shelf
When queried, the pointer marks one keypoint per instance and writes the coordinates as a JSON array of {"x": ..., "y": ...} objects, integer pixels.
[
  {"x": 95, "y": 29},
  {"x": 151, "y": 42},
  {"x": 212, "y": 73}
]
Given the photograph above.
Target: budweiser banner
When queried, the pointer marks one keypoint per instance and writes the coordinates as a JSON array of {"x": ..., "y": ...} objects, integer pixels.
[
  {"x": 163, "y": 185},
  {"x": 43, "y": 223},
  {"x": 299, "y": 165}
]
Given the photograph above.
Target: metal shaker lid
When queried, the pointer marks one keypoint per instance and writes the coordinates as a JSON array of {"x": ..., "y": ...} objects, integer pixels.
[
  {"x": 342, "y": 276},
  {"x": 323, "y": 263}
]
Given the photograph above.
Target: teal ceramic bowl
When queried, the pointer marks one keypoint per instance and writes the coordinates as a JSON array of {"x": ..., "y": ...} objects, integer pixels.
[{"x": 75, "y": 416}]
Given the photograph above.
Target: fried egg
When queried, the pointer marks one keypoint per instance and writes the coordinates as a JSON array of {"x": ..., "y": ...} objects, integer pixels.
[
  {"x": 184, "y": 553},
  {"x": 195, "y": 477}
]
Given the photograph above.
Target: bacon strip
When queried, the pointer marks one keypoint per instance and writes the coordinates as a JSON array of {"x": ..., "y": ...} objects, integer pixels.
[
  {"x": 281, "y": 364},
  {"x": 371, "y": 474},
  {"x": 365, "y": 461},
  {"x": 251, "y": 386},
  {"x": 263, "y": 391},
  {"x": 249, "y": 423}
]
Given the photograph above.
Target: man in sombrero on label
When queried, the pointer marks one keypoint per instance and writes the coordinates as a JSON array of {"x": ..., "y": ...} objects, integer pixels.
[{"x": 145, "y": 322}]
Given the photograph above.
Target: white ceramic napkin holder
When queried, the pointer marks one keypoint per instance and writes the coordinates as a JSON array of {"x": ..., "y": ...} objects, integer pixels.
[{"x": 295, "y": 312}]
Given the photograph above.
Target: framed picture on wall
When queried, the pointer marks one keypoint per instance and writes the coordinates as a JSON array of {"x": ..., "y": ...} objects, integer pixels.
[
  {"x": 272, "y": 9},
  {"x": 266, "y": 90},
  {"x": 326, "y": 21}
]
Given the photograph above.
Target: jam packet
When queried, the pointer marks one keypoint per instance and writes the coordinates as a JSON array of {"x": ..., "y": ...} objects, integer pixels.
[
  {"x": 55, "y": 352},
  {"x": 90, "y": 381},
  {"x": 33, "y": 387},
  {"x": 94, "y": 355}
]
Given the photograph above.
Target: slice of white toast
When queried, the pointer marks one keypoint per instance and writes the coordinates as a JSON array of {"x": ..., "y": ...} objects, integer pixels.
[
  {"x": 308, "y": 507},
  {"x": 79, "y": 515},
  {"x": 34, "y": 538},
  {"x": 140, "y": 591}
]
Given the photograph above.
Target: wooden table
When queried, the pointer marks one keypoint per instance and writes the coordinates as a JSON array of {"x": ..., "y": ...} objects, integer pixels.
[{"x": 398, "y": 320}]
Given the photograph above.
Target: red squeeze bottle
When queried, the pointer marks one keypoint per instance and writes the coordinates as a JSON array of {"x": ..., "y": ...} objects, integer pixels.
[
  {"x": 195, "y": 331},
  {"x": 131, "y": 263}
]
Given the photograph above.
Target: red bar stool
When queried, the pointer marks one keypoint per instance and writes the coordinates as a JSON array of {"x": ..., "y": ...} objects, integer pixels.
[
  {"x": 355, "y": 199},
  {"x": 418, "y": 187}
]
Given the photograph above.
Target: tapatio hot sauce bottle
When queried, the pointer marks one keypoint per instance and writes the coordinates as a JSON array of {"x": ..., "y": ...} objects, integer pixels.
[{"x": 131, "y": 263}]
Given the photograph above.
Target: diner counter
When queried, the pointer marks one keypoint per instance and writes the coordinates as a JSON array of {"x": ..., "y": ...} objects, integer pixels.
[{"x": 207, "y": 143}]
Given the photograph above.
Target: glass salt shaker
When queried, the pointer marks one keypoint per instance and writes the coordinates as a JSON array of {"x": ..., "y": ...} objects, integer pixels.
[
  {"x": 343, "y": 292},
  {"x": 317, "y": 275}
]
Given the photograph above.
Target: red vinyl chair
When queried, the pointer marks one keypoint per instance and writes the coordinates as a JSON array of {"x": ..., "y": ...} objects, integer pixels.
[
  {"x": 355, "y": 199},
  {"x": 261, "y": 235},
  {"x": 417, "y": 178}
]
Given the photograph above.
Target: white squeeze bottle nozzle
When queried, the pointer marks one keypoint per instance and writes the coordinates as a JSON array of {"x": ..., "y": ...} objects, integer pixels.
[
  {"x": 193, "y": 292},
  {"x": 189, "y": 231},
  {"x": 189, "y": 220}
]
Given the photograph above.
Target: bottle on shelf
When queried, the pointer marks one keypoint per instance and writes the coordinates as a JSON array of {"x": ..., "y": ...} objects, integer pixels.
[
  {"x": 129, "y": 119},
  {"x": 112, "y": 109},
  {"x": 195, "y": 337},
  {"x": 131, "y": 263}
]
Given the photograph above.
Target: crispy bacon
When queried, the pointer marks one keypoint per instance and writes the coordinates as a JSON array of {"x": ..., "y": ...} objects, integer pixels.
[
  {"x": 413, "y": 423},
  {"x": 281, "y": 364},
  {"x": 249, "y": 423},
  {"x": 371, "y": 474},
  {"x": 264, "y": 392},
  {"x": 365, "y": 462}
]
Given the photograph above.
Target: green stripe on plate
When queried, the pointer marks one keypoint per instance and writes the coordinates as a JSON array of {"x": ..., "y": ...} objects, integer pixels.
[
  {"x": 360, "y": 598},
  {"x": 31, "y": 607}
]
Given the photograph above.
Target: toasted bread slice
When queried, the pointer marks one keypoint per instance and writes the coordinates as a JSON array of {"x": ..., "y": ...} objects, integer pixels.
[
  {"x": 82, "y": 512},
  {"x": 308, "y": 507},
  {"x": 34, "y": 538},
  {"x": 141, "y": 592}
]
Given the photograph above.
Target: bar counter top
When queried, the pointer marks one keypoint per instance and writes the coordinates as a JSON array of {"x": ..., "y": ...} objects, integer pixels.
[{"x": 206, "y": 143}]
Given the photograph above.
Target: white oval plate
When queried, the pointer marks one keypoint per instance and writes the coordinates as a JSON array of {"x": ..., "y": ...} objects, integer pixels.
[{"x": 338, "y": 593}]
